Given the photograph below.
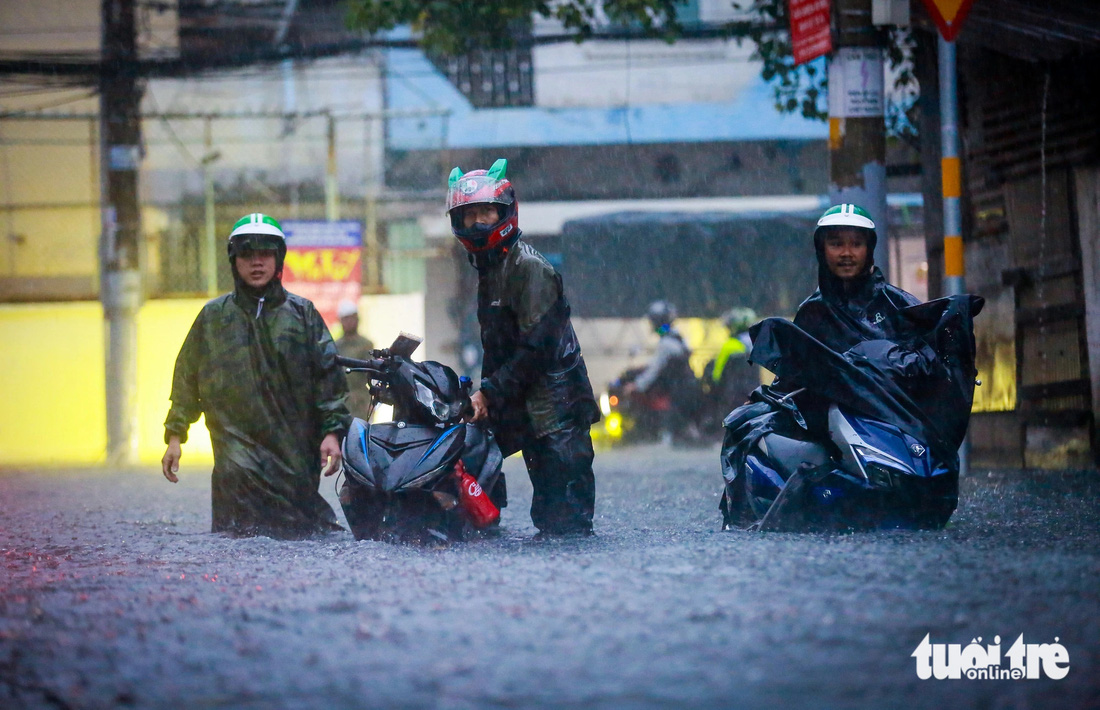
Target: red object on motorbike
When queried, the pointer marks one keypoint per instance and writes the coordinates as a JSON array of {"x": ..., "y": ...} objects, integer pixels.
[
  {"x": 474, "y": 501},
  {"x": 658, "y": 402}
]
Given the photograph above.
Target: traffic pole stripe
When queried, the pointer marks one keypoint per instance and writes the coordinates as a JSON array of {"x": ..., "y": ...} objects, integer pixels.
[
  {"x": 952, "y": 184},
  {"x": 953, "y": 263},
  {"x": 836, "y": 133}
]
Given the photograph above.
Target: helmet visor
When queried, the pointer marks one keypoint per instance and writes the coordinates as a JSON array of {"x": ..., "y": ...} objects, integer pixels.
[{"x": 255, "y": 242}]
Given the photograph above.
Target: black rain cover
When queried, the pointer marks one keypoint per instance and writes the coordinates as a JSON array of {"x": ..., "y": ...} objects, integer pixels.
[{"x": 922, "y": 381}]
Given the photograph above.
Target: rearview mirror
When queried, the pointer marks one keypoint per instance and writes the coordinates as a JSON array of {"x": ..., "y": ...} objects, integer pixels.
[{"x": 405, "y": 345}]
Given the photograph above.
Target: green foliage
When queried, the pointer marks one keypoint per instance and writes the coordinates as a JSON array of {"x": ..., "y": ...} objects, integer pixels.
[
  {"x": 455, "y": 27},
  {"x": 804, "y": 88},
  {"x": 798, "y": 88},
  {"x": 458, "y": 26}
]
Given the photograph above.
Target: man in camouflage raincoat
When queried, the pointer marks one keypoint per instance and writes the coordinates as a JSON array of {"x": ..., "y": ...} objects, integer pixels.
[
  {"x": 352, "y": 344},
  {"x": 260, "y": 364}
]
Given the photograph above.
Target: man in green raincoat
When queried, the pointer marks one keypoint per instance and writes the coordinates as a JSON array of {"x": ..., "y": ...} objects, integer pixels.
[{"x": 260, "y": 364}]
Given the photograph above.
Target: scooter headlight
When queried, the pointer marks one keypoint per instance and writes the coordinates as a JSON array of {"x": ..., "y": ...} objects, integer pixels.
[
  {"x": 879, "y": 476},
  {"x": 440, "y": 410},
  {"x": 881, "y": 469}
]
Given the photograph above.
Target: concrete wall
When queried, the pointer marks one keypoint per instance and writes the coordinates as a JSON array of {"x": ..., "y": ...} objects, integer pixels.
[
  {"x": 266, "y": 152},
  {"x": 606, "y": 73}
]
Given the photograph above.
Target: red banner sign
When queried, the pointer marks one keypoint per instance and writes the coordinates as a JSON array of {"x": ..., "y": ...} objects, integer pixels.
[
  {"x": 324, "y": 275},
  {"x": 810, "y": 35},
  {"x": 324, "y": 263}
]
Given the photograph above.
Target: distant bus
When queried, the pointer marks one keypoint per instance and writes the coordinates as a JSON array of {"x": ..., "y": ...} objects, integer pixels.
[{"x": 705, "y": 263}]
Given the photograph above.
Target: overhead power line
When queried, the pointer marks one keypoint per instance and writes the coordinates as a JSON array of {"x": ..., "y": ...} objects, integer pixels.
[{"x": 91, "y": 66}]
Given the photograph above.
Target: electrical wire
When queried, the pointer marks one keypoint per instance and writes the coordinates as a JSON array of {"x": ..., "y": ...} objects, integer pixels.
[
  {"x": 175, "y": 139},
  {"x": 87, "y": 94}
]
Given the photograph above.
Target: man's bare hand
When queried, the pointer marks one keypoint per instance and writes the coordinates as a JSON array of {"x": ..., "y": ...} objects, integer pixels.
[
  {"x": 480, "y": 405},
  {"x": 170, "y": 462},
  {"x": 331, "y": 455}
]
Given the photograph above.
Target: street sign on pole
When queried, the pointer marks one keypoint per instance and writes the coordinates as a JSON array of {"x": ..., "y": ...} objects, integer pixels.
[
  {"x": 810, "y": 33},
  {"x": 948, "y": 15}
]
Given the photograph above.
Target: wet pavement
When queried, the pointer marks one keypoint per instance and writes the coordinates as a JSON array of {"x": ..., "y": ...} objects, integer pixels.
[{"x": 113, "y": 594}]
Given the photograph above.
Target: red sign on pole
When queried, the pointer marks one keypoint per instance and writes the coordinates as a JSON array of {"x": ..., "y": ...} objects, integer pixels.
[
  {"x": 810, "y": 36},
  {"x": 948, "y": 15}
]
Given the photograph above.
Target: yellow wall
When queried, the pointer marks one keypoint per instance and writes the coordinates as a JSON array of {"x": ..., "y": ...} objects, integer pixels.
[
  {"x": 162, "y": 326},
  {"x": 52, "y": 401},
  {"x": 51, "y": 198}
]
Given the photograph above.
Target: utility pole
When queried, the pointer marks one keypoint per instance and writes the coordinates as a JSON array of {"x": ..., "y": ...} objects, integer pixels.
[
  {"x": 120, "y": 282},
  {"x": 373, "y": 176},
  {"x": 954, "y": 272},
  {"x": 332, "y": 183},
  {"x": 857, "y": 128},
  {"x": 210, "y": 238}
]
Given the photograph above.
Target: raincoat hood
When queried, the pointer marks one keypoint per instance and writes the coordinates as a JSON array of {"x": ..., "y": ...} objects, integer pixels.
[
  {"x": 273, "y": 294},
  {"x": 840, "y": 318}
]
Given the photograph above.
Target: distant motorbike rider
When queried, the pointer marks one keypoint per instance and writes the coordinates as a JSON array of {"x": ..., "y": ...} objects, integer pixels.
[
  {"x": 737, "y": 345},
  {"x": 728, "y": 378},
  {"x": 535, "y": 391},
  {"x": 669, "y": 373}
]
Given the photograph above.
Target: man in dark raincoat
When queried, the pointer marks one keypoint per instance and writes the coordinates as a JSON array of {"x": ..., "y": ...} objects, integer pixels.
[
  {"x": 534, "y": 391},
  {"x": 260, "y": 364},
  {"x": 853, "y": 302}
]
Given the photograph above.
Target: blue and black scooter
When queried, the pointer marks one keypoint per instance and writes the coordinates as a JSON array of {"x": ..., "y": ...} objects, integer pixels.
[
  {"x": 404, "y": 478},
  {"x": 867, "y": 474}
]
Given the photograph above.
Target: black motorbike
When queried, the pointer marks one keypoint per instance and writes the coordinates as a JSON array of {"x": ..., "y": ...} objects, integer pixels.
[
  {"x": 692, "y": 410},
  {"x": 404, "y": 479},
  {"x": 636, "y": 417}
]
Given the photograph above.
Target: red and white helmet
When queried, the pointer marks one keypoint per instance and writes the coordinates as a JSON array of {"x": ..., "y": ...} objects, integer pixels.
[{"x": 479, "y": 187}]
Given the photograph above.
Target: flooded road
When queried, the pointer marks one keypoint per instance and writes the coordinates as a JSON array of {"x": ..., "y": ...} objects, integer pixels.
[{"x": 114, "y": 594}]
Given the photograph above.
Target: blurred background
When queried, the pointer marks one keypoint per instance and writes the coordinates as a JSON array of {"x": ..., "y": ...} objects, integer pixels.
[{"x": 686, "y": 165}]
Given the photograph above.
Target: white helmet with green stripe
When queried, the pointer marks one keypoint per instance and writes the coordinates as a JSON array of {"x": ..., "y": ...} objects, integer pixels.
[
  {"x": 847, "y": 216},
  {"x": 257, "y": 232}
]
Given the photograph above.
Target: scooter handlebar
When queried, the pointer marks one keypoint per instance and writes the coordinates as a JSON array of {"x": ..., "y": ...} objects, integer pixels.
[{"x": 355, "y": 364}]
